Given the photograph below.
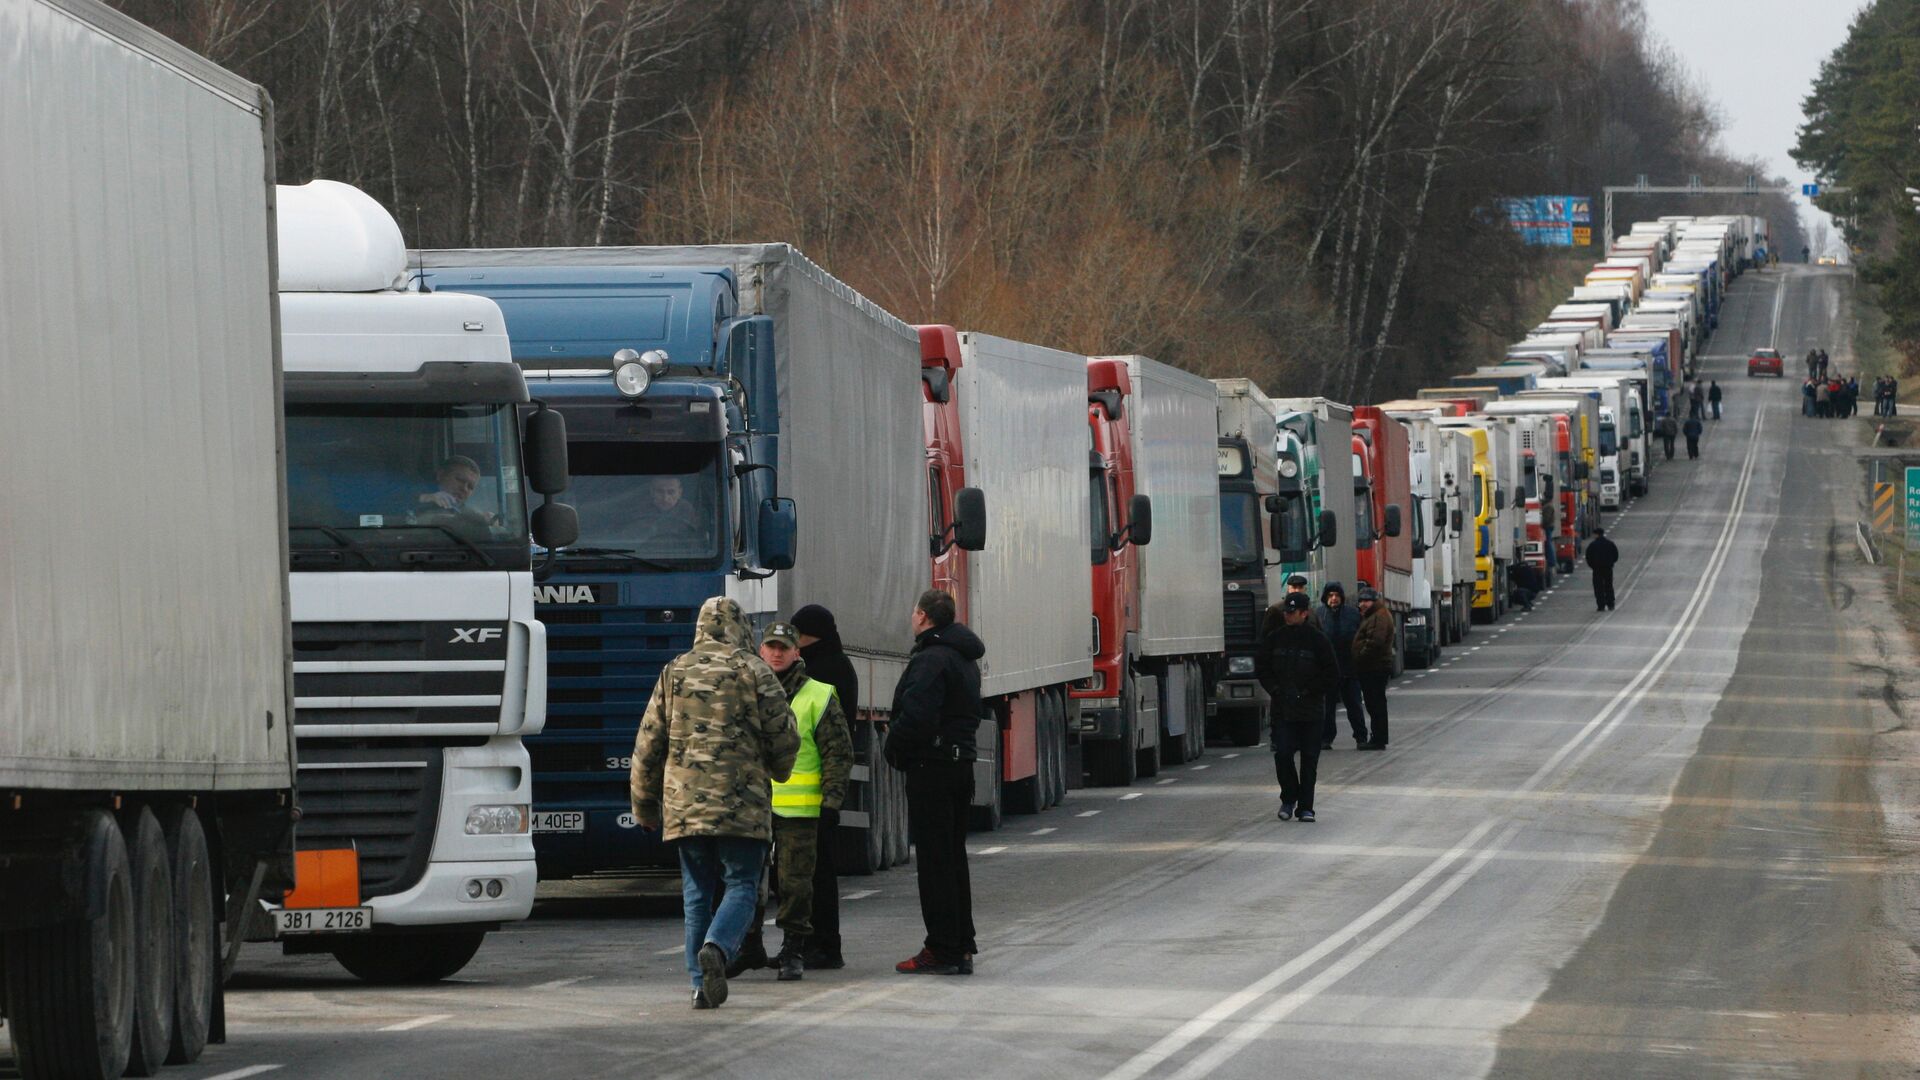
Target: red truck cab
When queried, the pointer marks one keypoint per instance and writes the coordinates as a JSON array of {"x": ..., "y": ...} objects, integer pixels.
[
  {"x": 1106, "y": 719},
  {"x": 1566, "y": 527},
  {"x": 1383, "y": 496},
  {"x": 946, "y": 463}
]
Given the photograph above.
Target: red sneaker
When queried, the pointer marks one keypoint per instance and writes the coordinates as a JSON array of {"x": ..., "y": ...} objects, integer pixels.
[{"x": 925, "y": 963}]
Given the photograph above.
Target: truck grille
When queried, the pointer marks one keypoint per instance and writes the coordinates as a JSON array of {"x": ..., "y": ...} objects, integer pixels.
[
  {"x": 569, "y": 757},
  {"x": 338, "y": 667},
  {"x": 382, "y": 803},
  {"x": 1242, "y": 620},
  {"x": 602, "y": 663}
]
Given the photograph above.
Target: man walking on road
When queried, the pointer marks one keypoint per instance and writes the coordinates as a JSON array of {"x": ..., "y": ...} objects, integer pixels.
[
  {"x": 716, "y": 734},
  {"x": 1669, "y": 431},
  {"x": 826, "y": 661},
  {"x": 1601, "y": 555},
  {"x": 1693, "y": 429},
  {"x": 1340, "y": 622},
  {"x": 802, "y": 803},
  {"x": 936, "y": 709},
  {"x": 1713, "y": 397},
  {"x": 1295, "y": 664},
  {"x": 1373, "y": 663}
]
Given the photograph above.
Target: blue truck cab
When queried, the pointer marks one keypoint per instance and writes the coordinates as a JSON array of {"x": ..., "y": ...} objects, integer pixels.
[{"x": 673, "y": 424}]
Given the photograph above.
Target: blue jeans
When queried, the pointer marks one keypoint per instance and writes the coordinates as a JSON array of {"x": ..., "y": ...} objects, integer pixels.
[{"x": 707, "y": 864}]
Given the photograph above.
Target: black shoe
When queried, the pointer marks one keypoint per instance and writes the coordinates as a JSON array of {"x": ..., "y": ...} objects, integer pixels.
[
  {"x": 823, "y": 960},
  {"x": 965, "y": 966},
  {"x": 1359, "y": 742},
  {"x": 753, "y": 957},
  {"x": 700, "y": 1000},
  {"x": 1328, "y": 745},
  {"x": 792, "y": 968},
  {"x": 1286, "y": 811},
  {"x": 713, "y": 973},
  {"x": 1373, "y": 746},
  {"x": 1305, "y": 817}
]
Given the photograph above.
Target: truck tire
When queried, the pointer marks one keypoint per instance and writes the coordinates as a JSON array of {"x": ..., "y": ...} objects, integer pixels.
[
  {"x": 153, "y": 964},
  {"x": 987, "y": 817},
  {"x": 196, "y": 934},
  {"x": 71, "y": 986},
  {"x": 1196, "y": 711},
  {"x": 408, "y": 959},
  {"x": 1058, "y": 741}
]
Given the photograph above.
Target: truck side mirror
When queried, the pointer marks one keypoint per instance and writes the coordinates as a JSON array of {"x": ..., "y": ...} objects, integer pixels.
[
  {"x": 1580, "y": 470},
  {"x": 1393, "y": 520},
  {"x": 1500, "y": 498},
  {"x": 970, "y": 519},
  {"x": 1329, "y": 529},
  {"x": 555, "y": 525},
  {"x": 1458, "y": 522},
  {"x": 1546, "y": 488},
  {"x": 1285, "y": 529},
  {"x": 778, "y": 530},
  {"x": 546, "y": 451},
  {"x": 1140, "y": 520}
]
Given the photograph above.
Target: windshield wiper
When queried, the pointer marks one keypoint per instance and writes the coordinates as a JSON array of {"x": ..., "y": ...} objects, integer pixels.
[
  {"x": 485, "y": 559},
  {"x": 623, "y": 554},
  {"x": 347, "y": 543}
]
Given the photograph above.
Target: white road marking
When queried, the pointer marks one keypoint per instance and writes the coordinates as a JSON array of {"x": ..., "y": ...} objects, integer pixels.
[
  {"x": 1043, "y": 832},
  {"x": 994, "y": 850},
  {"x": 417, "y": 1022},
  {"x": 251, "y": 1070},
  {"x": 1197, "y": 768},
  {"x": 1228, "y": 757},
  {"x": 1131, "y": 795},
  {"x": 1779, "y": 304},
  {"x": 860, "y": 894},
  {"x": 1166, "y": 780},
  {"x": 1086, "y": 813},
  {"x": 558, "y": 983},
  {"x": 675, "y": 951}
]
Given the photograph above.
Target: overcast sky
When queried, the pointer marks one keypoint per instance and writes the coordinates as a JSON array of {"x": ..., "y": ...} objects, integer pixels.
[{"x": 1757, "y": 59}]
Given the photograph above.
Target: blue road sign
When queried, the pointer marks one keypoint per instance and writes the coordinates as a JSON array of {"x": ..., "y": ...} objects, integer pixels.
[{"x": 1809, "y": 190}]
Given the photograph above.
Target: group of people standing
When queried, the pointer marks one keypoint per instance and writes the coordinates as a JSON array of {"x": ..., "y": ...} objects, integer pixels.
[
  {"x": 743, "y": 749},
  {"x": 1886, "y": 393},
  {"x": 1312, "y": 660},
  {"x": 1827, "y": 394}
]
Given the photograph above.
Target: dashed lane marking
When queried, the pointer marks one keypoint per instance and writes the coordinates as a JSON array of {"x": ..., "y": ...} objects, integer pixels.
[
  {"x": 1043, "y": 832},
  {"x": 860, "y": 894},
  {"x": 558, "y": 983},
  {"x": 994, "y": 850},
  {"x": 251, "y": 1070},
  {"x": 1198, "y": 768},
  {"x": 1131, "y": 795},
  {"x": 678, "y": 949},
  {"x": 1086, "y": 813},
  {"x": 1228, "y": 757},
  {"x": 417, "y": 1022},
  {"x": 1166, "y": 780}
]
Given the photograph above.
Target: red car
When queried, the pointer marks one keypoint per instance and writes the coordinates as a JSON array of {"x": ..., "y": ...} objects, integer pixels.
[{"x": 1765, "y": 362}]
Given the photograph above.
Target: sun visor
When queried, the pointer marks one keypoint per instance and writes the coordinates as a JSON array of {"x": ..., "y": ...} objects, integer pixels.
[{"x": 335, "y": 238}]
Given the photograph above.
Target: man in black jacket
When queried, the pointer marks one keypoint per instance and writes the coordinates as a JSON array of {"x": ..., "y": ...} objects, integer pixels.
[
  {"x": 1296, "y": 665},
  {"x": 1601, "y": 555},
  {"x": 827, "y": 661},
  {"x": 1338, "y": 620},
  {"x": 936, "y": 711}
]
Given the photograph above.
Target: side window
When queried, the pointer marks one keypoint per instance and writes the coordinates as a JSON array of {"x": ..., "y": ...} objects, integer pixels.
[{"x": 936, "y": 503}]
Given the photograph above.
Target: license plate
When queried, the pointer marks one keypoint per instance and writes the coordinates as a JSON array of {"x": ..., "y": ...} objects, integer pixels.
[
  {"x": 339, "y": 920},
  {"x": 559, "y": 821}
]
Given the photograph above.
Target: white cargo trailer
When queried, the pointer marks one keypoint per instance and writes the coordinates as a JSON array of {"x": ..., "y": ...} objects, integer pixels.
[{"x": 145, "y": 695}]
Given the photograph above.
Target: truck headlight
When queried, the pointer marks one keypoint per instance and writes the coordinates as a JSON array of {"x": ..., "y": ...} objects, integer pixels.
[
  {"x": 632, "y": 378},
  {"x": 1417, "y": 618},
  {"x": 497, "y": 820},
  {"x": 1240, "y": 665}
]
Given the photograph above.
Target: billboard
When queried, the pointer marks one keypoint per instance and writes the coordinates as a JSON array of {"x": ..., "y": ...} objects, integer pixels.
[{"x": 1552, "y": 220}]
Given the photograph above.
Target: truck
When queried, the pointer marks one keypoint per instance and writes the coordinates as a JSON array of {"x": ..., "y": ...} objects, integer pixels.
[
  {"x": 1383, "y": 494},
  {"x": 1440, "y": 550},
  {"x": 1485, "y": 504},
  {"x": 1623, "y": 433},
  {"x": 1315, "y": 438},
  {"x": 1259, "y": 533},
  {"x": 1573, "y": 419},
  {"x": 146, "y": 738},
  {"x": 418, "y": 663},
  {"x": 715, "y": 397},
  {"x": 1008, "y": 506},
  {"x": 1507, "y": 381},
  {"x": 1158, "y": 628}
]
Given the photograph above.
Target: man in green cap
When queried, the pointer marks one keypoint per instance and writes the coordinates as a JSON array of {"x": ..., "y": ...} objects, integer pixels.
[{"x": 806, "y": 802}]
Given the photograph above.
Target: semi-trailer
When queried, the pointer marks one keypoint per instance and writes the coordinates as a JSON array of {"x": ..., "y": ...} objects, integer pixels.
[
  {"x": 1257, "y": 537},
  {"x": 1315, "y": 440},
  {"x": 716, "y": 396},
  {"x": 1439, "y": 542},
  {"x": 1008, "y": 496},
  {"x": 1383, "y": 495},
  {"x": 418, "y": 662},
  {"x": 146, "y": 734},
  {"x": 1158, "y": 626}
]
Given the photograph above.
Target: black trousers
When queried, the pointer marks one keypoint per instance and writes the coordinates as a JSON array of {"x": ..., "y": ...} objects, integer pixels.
[
  {"x": 1603, "y": 587},
  {"x": 1346, "y": 691},
  {"x": 1693, "y": 446},
  {"x": 1296, "y": 786},
  {"x": 1668, "y": 441},
  {"x": 826, "y": 896},
  {"x": 938, "y": 794},
  {"x": 1373, "y": 690}
]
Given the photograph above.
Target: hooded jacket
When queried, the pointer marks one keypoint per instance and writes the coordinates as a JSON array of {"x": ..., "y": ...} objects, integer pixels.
[
  {"x": 1296, "y": 666},
  {"x": 936, "y": 704},
  {"x": 830, "y": 738},
  {"x": 1373, "y": 641},
  {"x": 826, "y": 658},
  {"x": 716, "y": 734},
  {"x": 1339, "y": 624}
]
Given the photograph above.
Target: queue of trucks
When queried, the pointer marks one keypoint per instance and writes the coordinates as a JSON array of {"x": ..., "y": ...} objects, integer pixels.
[{"x": 324, "y": 660}]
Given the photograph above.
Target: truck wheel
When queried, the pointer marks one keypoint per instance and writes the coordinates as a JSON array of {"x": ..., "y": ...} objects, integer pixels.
[
  {"x": 153, "y": 964},
  {"x": 1110, "y": 762},
  {"x": 987, "y": 817},
  {"x": 1062, "y": 773},
  {"x": 71, "y": 986},
  {"x": 1243, "y": 727},
  {"x": 196, "y": 934},
  {"x": 408, "y": 959},
  {"x": 1146, "y": 760},
  {"x": 1197, "y": 709}
]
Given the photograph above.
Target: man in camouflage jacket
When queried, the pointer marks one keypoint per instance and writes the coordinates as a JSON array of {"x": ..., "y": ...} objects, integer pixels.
[{"x": 717, "y": 733}]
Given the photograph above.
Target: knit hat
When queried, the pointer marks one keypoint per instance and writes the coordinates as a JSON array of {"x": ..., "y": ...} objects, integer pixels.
[
  {"x": 1296, "y": 602},
  {"x": 815, "y": 621}
]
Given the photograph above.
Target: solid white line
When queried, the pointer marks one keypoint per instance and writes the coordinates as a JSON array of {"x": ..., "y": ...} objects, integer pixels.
[
  {"x": 417, "y": 1022},
  {"x": 251, "y": 1070},
  {"x": 558, "y": 983},
  {"x": 1779, "y": 303},
  {"x": 1043, "y": 832},
  {"x": 1184, "y": 1035},
  {"x": 1131, "y": 795}
]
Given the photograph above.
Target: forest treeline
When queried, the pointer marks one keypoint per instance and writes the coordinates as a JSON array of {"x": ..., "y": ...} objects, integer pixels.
[
  {"x": 1860, "y": 134},
  {"x": 1303, "y": 191}
]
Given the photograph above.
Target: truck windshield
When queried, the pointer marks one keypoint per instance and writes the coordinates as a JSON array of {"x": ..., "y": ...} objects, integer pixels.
[
  {"x": 404, "y": 487},
  {"x": 656, "y": 503},
  {"x": 1240, "y": 541},
  {"x": 1609, "y": 444}
]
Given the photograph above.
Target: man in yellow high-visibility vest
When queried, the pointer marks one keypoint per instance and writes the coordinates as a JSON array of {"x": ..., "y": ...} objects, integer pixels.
[{"x": 807, "y": 803}]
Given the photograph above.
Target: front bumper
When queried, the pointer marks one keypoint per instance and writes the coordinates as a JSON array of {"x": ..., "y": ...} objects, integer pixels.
[
  {"x": 1240, "y": 692},
  {"x": 440, "y": 898}
]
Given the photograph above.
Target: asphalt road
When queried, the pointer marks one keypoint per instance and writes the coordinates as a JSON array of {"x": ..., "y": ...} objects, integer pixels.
[{"x": 1676, "y": 839}]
